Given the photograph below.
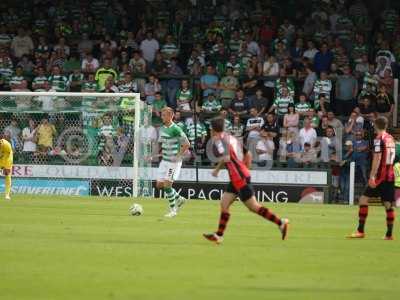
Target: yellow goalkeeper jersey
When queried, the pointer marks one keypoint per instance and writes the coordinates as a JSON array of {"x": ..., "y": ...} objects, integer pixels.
[{"x": 6, "y": 154}]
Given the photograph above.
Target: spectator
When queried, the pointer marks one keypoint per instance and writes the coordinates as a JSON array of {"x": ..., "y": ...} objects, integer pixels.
[
  {"x": 346, "y": 92},
  {"x": 265, "y": 148},
  {"x": 311, "y": 51},
  {"x": 240, "y": 105},
  {"x": 353, "y": 125},
  {"x": 335, "y": 122},
  {"x": 89, "y": 64},
  {"x": 17, "y": 79},
  {"x": 308, "y": 156},
  {"x": 309, "y": 81},
  {"x": 237, "y": 129},
  {"x": 22, "y": 44},
  {"x": 370, "y": 82},
  {"x": 307, "y": 134},
  {"x": 228, "y": 86},
  {"x": 209, "y": 82},
  {"x": 253, "y": 125},
  {"x": 29, "y": 138},
  {"x": 211, "y": 105},
  {"x": 38, "y": 83},
  {"x": 14, "y": 132},
  {"x": 281, "y": 104},
  {"x": 303, "y": 106},
  {"x": 259, "y": 102},
  {"x": 137, "y": 63},
  {"x": 384, "y": 102},
  {"x": 250, "y": 83},
  {"x": 360, "y": 154},
  {"x": 46, "y": 133},
  {"x": 128, "y": 85},
  {"x": 184, "y": 97},
  {"x": 151, "y": 88},
  {"x": 149, "y": 47},
  {"x": 158, "y": 104},
  {"x": 104, "y": 72},
  {"x": 323, "y": 59},
  {"x": 76, "y": 80},
  {"x": 291, "y": 119},
  {"x": 323, "y": 85},
  {"x": 173, "y": 84}
]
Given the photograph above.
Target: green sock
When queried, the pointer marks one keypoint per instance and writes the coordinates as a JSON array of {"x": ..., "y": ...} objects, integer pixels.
[{"x": 170, "y": 195}]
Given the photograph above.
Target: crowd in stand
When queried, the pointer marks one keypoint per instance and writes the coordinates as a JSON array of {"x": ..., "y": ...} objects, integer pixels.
[{"x": 300, "y": 86}]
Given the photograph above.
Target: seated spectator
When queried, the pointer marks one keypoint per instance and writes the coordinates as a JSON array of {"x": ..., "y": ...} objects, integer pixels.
[
  {"x": 265, "y": 149},
  {"x": 224, "y": 114},
  {"x": 240, "y": 105},
  {"x": 303, "y": 106},
  {"x": 323, "y": 59},
  {"x": 284, "y": 82},
  {"x": 137, "y": 63},
  {"x": 291, "y": 119},
  {"x": 362, "y": 67},
  {"x": 211, "y": 105},
  {"x": 159, "y": 66},
  {"x": 384, "y": 102},
  {"x": 76, "y": 80},
  {"x": 307, "y": 134},
  {"x": 237, "y": 129},
  {"x": 353, "y": 125},
  {"x": 109, "y": 86},
  {"x": 250, "y": 83},
  {"x": 335, "y": 123},
  {"x": 259, "y": 102},
  {"x": 151, "y": 88},
  {"x": 38, "y": 83},
  {"x": 169, "y": 49},
  {"x": 104, "y": 72},
  {"x": 387, "y": 80},
  {"x": 253, "y": 125},
  {"x": 128, "y": 85},
  {"x": 90, "y": 64},
  {"x": 366, "y": 106},
  {"x": 17, "y": 79},
  {"x": 26, "y": 64},
  {"x": 184, "y": 97},
  {"x": 270, "y": 69},
  {"x": 209, "y": 82},
  {"x": 158, "y": 104},
  {"x": 311, "y": 51},
  {"x": 323, "y": 85},
  {"x": 228, "y": 86},
  {"x": 308, "y": 155}
]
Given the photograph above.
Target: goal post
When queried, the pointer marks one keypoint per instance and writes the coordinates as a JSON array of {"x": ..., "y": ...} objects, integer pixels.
[{"x": 97, "y": 138}]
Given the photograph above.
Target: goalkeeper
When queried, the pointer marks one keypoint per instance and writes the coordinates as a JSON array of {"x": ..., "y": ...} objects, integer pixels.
[{"x": 6, "y": 162}]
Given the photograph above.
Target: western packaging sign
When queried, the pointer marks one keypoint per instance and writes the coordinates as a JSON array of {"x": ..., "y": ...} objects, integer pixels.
[
  {"x": 213, "y": 191},
  {"x": 275, "y": 177},
  {"x": 49, "y": 187}
]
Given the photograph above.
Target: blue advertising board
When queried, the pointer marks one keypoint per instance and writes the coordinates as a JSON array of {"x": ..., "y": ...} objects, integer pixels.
[{"x": 48, "y": 187}]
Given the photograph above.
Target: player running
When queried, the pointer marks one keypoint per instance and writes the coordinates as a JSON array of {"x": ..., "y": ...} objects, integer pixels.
[
  {"x": 230, "y": 153},
  {"x": 6, "y": 163},
  {"x": 174, "y": 144},
  {"x": 381, "y": 180}
]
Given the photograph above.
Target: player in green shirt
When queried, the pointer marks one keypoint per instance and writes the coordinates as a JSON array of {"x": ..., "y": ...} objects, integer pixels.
[{"x": 174, "y": 143}]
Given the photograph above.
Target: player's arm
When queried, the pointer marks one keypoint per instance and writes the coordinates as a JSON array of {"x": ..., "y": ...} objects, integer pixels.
[
  {"x": 185, "y": 145},
  {"x": 247, "y": 157},
  {"x": 376, "y": 161}
]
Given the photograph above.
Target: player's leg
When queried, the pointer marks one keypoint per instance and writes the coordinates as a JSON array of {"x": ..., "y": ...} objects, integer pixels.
[
  {"x": 7, "y": 182},
  {"x": 254, "y": 206},
  {"x": 227, "y": 199},
  {"x": 388, "y": 198},
  {"x": 363, "y": 212},
  {"x": 163, "y": 177}
]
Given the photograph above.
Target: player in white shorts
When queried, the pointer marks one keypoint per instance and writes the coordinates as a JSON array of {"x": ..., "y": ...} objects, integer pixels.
[{"x": 174, "y": 143}]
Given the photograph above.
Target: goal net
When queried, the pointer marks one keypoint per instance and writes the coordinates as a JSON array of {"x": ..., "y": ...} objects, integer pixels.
[{"x": 79, "y": 143}]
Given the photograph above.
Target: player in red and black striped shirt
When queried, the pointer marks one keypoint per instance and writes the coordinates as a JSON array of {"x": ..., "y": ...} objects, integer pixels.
[
  {"x": 381, "y": 180},
  {"x": 237, "y": 161}
]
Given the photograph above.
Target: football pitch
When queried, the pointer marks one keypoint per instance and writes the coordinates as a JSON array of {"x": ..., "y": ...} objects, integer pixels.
[{"x": 90, "y": 248}]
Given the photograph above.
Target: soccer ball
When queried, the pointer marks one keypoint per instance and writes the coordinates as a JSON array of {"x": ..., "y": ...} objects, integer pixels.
[{"x": 136, "y": 210}]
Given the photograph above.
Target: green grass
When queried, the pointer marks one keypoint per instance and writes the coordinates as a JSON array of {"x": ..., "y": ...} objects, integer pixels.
[{"x": 90, "y": 248}]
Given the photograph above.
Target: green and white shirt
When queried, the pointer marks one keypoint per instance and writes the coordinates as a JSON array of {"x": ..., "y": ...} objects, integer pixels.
[
  {"x": 170, "y": 49},
  {"x": 302, "y": 107},
  {"x": 59, "y": 83},
  {"x": 39, "y": 80},
  {"x": 289, "y": 85},
  {"x": 171, "y": 139},
  {"x": 370, "y": 84},
  {"x": 282, "y": 104},
  {"x": 16, "y": 80},
  {"x": 323, "y": 87},
  {"x": 184, "y": 98},
  {"x": 106, "y": 131},
  {"x": 193, "y": 131},
  {"x": 212, "y": 106}
]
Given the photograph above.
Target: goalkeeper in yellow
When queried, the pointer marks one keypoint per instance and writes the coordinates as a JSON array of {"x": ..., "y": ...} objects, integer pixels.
[{"x": 6, "y": 162}]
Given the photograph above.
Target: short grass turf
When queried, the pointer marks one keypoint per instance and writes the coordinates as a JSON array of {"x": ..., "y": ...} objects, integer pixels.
[{"x": 90, "y": 248}]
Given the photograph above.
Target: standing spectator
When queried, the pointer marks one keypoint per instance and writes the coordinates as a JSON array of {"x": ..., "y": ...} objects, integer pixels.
[
  {"x": 58, "y": 81},
  {"x": 360, "y": 154},
  {"x": 209, "y": 82},
  {"x": 270, "y": 69},
  {"x": 291, "y": 119},
  {"x": 323, "y": 59},
  {"x": 353, "y": 125},
  {"x": 346, "y": 92},
  {"x": 22, "y": 44},
  {"x": 323, "y": 85},
  {"x": 228, "y": 86},
  {"x": 38, "y": 83},
  {"x": 17, "y": 79},
  {"x": 29, "y": 139},
  {"x": 172, "y": 83},
  {"x": 169, "y": 49},
  {"x": 311, "y": 51},
  {"x": 46, "y": 133},
  {"x": 370, "y": 82},
  {"x": 309, "y": 80},
  {"x": 281, "y": 104},
  {"x": 384, "y": 102},
  {"x": 303, "y": 106},
  {"x": 149, "y": 47},
  {"x": 250, "y": 83}
]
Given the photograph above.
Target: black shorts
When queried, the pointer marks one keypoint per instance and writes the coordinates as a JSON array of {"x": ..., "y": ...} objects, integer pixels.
[
  {"x": 244, "y": 194},
  {"x": 385, "y": 191}
]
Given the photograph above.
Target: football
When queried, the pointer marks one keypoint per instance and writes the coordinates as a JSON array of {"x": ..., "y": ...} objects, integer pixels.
[{"x": 136, "y": 210}]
